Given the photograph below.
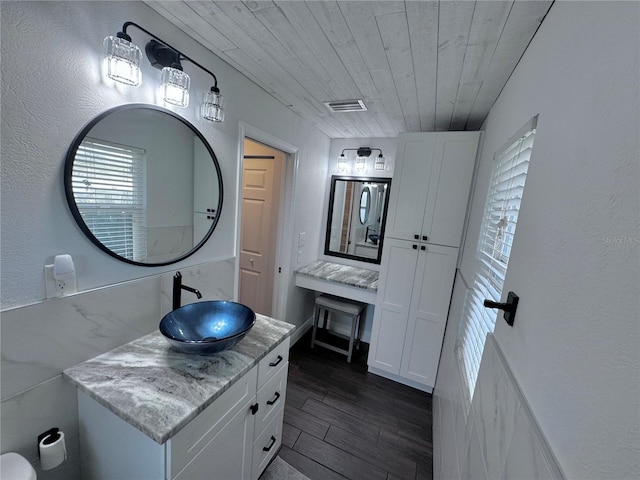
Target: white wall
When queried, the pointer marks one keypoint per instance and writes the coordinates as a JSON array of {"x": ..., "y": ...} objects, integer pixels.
[
  {"x": 574, "y": 349},
  {"x": 51, "y": 88}
]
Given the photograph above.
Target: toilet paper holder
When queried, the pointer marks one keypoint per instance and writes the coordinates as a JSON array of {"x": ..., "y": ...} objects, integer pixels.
[{"x": 52, "y": 441}]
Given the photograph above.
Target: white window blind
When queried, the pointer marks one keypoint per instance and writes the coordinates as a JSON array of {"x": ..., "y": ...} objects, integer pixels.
[
  {"x": 108, "y": 182},
  {"x": 494, "y": 247}
]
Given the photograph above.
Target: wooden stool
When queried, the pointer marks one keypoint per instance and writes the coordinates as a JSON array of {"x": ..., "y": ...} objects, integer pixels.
[{"x": 331, "y": 304}]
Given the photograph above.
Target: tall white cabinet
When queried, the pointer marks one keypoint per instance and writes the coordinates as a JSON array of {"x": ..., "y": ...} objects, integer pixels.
[{"x": 427, "y": 208}]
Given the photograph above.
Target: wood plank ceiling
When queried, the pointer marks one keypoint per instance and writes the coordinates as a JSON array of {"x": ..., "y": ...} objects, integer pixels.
[{"x": 419, "y": 66}]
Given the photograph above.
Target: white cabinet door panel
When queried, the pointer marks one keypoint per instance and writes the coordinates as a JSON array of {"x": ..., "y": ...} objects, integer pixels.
[{"x": 428, "y": 313}]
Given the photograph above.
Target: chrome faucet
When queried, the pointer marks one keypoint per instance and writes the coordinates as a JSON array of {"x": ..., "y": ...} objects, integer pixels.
[{"x": 177, "y": 290}]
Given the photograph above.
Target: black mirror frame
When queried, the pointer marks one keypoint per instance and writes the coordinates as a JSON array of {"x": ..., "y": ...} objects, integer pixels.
[
  {"x": 385, "y": 209},
  {"x": 68, "y": 169}
]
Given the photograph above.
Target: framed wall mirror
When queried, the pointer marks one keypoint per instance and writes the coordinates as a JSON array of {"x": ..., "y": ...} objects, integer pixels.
[
  {"x": 144, "y": 185},
  {"x": 356, "y": 218}
]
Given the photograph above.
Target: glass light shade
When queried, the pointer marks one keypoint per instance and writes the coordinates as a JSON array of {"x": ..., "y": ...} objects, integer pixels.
[
  {"x": 380, "y": 163},
  {"x": 122, "y": 61},
  {"x": 342, "y": 163},
  {"x": 175, "y": 87},
  {"x": 360, "y": 163},
  {"x": 213, "y": 106}
]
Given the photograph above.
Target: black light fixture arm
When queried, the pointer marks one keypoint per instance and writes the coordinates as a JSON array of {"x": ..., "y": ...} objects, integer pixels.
[
  {"x": 362, "y": 151},
  {"x": 181, "y": 56}
]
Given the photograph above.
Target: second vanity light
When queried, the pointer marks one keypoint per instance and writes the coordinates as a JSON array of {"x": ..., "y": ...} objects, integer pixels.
[
  {"x": 122, "y": 64},
  {"x": 362, "y": 154}
]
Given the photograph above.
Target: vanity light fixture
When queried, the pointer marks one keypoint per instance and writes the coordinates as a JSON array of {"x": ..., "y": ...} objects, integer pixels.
[
  {"x": 122, "y": 64},
  {"x": 362, "y": 154}
]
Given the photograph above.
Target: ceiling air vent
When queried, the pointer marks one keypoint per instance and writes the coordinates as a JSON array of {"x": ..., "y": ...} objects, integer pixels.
[{"x": 346, "y": 106}]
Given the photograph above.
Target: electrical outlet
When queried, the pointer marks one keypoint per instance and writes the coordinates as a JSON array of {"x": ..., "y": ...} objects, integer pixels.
[{"x": 57, "y": 288}]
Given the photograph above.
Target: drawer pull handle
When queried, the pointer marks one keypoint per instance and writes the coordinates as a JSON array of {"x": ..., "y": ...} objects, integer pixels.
[
  {"x": 254, "y": 409},
  {"x": 273, "y": 364},
  {"x": 273, "y": 442},
  {"x": 275, "y": 399}
]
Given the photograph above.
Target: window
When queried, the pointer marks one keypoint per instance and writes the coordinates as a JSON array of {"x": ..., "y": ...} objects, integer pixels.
[
  {"x": 109, "y": 188},
  {"x": 494, "y": 248}
]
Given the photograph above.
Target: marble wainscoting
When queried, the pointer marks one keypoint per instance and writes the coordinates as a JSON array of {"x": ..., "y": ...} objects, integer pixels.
[
  {"x": 39, "y": 341},
  {"x": 493, "y": 436}
]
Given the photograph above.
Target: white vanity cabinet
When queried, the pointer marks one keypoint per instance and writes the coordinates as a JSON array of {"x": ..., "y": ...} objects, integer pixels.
[
  {"x": 234, "y": 438},
  {"x": 427, "y": 208},
  {"x": 431, "y": 184}
]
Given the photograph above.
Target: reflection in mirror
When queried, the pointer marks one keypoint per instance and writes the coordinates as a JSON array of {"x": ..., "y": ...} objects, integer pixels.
[
  {"x": 144, "y": 185},
  {"x": 356, "y": 218}
]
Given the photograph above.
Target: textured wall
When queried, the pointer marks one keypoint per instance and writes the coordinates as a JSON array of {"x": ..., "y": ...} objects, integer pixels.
[
  {"x": 575, "y": 262},
  {"x": 52, "y": 86}
]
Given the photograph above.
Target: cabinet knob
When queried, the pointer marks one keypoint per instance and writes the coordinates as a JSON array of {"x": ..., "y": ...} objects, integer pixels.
[
  {"x": 416, "y": 237},
  {"x": 254, "y": 409},
  {"x": 423, "y": 248},
  {"x": 209, "y": 217},
  {"x": 425, "y": 238},
  {"x": 415, "y": 247}
]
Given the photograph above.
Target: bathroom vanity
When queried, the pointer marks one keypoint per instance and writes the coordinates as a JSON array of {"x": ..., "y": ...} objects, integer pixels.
[{"x": 149, "y": 412}]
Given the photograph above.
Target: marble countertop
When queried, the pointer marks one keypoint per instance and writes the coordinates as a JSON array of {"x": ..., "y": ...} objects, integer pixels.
[
  {"x": 345, "y": 274},
  {"x": 159, "y": 390}
]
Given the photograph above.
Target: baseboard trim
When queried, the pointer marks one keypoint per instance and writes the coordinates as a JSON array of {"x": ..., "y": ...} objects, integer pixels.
[
  {"x": 300, "y": 331},
  {"x": 399, "y": 379}
]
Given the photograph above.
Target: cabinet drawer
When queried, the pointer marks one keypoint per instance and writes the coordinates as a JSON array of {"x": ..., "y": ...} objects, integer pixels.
[
  {"x": 188, "y": 442},
  {"x": 271, "y": 397},
  {"x": 267, "y": 444},
  {"x": 270, "y": 365}
]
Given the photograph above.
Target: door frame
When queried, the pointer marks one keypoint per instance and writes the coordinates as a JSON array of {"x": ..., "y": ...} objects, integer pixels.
[{"x": 285, "y": 219}]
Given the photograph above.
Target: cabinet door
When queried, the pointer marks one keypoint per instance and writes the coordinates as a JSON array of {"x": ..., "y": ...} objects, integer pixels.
[
  {"x": 392, "y": 306},
  {"x": 450, "y": 184},
  {"x": 229, "y": 454},
  {"x": 410, "y": 186},
  {"x": 428, "y": 313}
]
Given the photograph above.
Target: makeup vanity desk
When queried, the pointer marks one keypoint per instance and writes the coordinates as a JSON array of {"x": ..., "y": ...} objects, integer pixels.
[{"x": 343, "y": 281}]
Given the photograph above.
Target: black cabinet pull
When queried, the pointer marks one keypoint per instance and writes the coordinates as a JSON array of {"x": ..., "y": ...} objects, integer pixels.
[
  {"x": 416, "y": 237},
  {"x": 254, "y": 409},
  {"x": 415, "y": 247},
  {"x": 509, "y": 307},
  {"x": 275, "y": 399},
  {"x": 425, "y": 238},
  {"x": 273, "y": 442},
  {"x": 273, "y": 364},
  {"x": 209, "y": 217},
  {"x": 423, "y": 248}
]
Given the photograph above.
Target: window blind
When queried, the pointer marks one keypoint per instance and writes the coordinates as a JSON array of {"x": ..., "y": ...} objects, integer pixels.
[
  {"x": 494, "y": 248},
  {"x": 108, "y": 182}
]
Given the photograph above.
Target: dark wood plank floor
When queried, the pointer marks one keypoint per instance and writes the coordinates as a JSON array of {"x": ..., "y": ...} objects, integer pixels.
[{"x": 342, "y": 422}]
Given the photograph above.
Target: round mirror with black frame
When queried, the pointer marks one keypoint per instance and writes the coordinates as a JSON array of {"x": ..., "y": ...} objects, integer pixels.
[{"x": 144, "y": 185}]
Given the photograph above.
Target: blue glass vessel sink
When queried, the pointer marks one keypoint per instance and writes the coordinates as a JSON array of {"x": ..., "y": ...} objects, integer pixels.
[{"x": 207, "y": 327}]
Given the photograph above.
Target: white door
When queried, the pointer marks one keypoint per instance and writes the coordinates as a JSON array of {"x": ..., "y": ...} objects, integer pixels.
[{"x": 259, "y": 225}]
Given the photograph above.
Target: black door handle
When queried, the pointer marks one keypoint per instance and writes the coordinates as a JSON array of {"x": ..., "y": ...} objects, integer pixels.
[
  {"x": 273, "y": 441},
  {"x": 509, "y": 307},
  {"x": 273, "y": 364},
  {"x": 275, "y": 399}
]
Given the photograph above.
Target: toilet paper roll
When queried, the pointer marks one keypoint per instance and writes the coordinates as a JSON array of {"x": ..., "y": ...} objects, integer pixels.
[{"x": 53, "y": 450}]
